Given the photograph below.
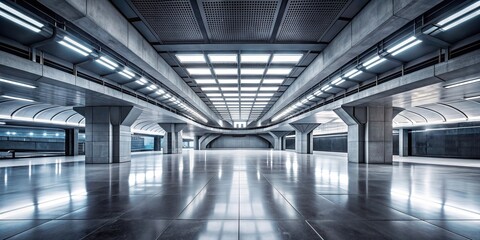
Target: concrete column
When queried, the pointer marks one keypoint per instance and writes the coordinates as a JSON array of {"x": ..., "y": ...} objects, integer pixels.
[
  {"x": 304, "y": 136},
  {"x": 196, "y": 142},
  {"x": 172, "y": 140},
  {"x": 403, "y": 142},
  {"x": 279, "y": 139},
  {"x": 71, "y": 142},
  {"x": 107, "y": 133},
  {"x": 157, "y": 143},
  {"x": 369, "y": 133}
]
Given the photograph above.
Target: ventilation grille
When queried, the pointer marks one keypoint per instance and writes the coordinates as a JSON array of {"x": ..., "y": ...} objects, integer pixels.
[
  {"x": 308, "y": 20},
  {"x": 172, "y": 21},
  {"x": 240, "y": 20}
]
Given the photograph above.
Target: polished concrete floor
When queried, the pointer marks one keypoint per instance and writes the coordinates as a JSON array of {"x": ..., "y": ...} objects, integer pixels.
[{"x": 249, "y": 194}]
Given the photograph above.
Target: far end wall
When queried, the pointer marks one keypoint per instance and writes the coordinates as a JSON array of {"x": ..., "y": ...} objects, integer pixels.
[{"x": 239, "y": 141}]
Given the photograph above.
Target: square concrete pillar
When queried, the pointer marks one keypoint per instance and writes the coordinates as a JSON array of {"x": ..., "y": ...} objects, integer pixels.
[
  {"x": 403, "y": 142},
  {"x": 107, "y": 133},
  {"x": 196, "y": 142},
  {"x": 279, "y": 139},
  {"x": 304, "y": 137},
  {"x": 369, "y": 133},
  {"x": 157, "y": 143},
  {"x": 172, "y": 140}
]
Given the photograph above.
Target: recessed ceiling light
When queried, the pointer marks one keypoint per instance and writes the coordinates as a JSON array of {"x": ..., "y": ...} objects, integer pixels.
[
  {"x": 249, "y": 89},
  {"x": 225, "y": 71},
  {"x": 218, "y": 103},
  {"x": 252, "y": 71},
  {"x": 462, "y": 83},
  {"x": 247, "y": 99},
  {"x": 265, "y": 94},
  {"x": 20, "y": 18},
  {"x": 265, "y": 89},
  {"x": 216, "y": 99},
  {"x": 229, "y": 89},
  {"x": 228, "y": 81},
  {"x": 254, "y": 58},
  {"x": 205, "y": 81},
  {"x": 279, "y": 71},
  {"x": 210, "y": 89},
  {"x": 191, "y": 58},
  {"x": 214, "y": 94},
  {"x": 263, "y": 99},
  {"x": 199, "y": 71},
  {"x": 75, "y": 46},
  {"x": 107, "y": 63},
  {"x": 273, "y": 81},
  {"x": 141, "y": 81},
  {"x": 230, "y": 94},
  {"x": 286, "y": 58},
  {"x": 127, "y": 73},
  {"x": 222, "y": 58},
  {"x": 250, "y": 81},
  {"x": 248, "y": 94},
  {"x": 231, "y": 99}
]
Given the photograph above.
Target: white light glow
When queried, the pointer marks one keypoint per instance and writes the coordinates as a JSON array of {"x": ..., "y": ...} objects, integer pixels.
[
  {"x": 459, "y": 13},
  {"x": 18, "y": 98},
  {"x": 264, "y": 94},
  {"x": 286, "y": 58},
  {"x": 105, "y": 64},
  {"x": 225, "y": 71},
  {"x": 472, "y": 98},
  {"x": 228, "y": 81},
  {"x": 279, "y": 71},
  {"x": 254, "y": 58},
  {"x": 273, "y": 81},
  {"x": 376, "y": 63},
  {"x": 205, "y": 81},
  {"x": 406, "y": 47},
  {"x": 199, "y": 71},
  {"x": 356, "y": 74},
  {"x": 210, "y": 89},
  {"x": 250, "y": 81},
  {"x": 350, "y": 73},
  {"x": 126, "y": 73},
  {"x": 222, "y": 58},
  {"x": 401, "y": 44},
  {"x": 462, "y": 83},
  {"x": 20, "y": 18},
  {"x": 214, "y": 94},
  {"x": 461, "y": 20},
  {"x": 141, "y": 81},
  {"x": 249, "y": 89},
  {"x": 191, "y": 58},
  {"x": 83, "y": 53},
  {"x": 16, "y": 83},
  {"x": 76, "y": 44},
  {"x": 252, "y": 71},
  {"x": 229, "y": 89}
]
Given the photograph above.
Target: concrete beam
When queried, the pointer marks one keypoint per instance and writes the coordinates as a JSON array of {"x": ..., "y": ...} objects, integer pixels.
[
  {"x": 379, "y": 18},
  {"x": 104, "y": 22}
]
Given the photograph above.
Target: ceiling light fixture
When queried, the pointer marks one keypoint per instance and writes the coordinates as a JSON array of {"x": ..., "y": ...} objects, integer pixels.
[
  {"x": 126, "y": 73},
  {"x": 228, "y": 81},
  {"x": 75, "y": 46},
  {"x": 254, "y": 58},
  {"x": 273, "y": 81},
  {"x": 222, "y": 58},
  {"x": 205, "y": 81},
  {"x": 141, "y": 81},
  {"x": 16, "y": 83},
  {"x": 229, "y": 89},
  {"x": 18, "y": 98},
  {"x": 461, "y": 20},
  {"x": 472, "y": 98},
  {"x": 266, "y": 89},
  {"x": 252, "y": 71},
  {"x": 279, "y": 71},
  {"x": 199, "y": 71},
  {"x": 225, "y": 71},
  {"x": 191, "y": 58},
  {"x": 404, "y": 45},
  {"x": 20, "y": 18},
  {"x": 458, "y": 14},
  {"x": 210, "y": 89},
  {"x": 107, "y": 63},
  {"x": 286, "y": 58},
  {"x": 458, "y": 84},
  {"x": 249, "y": 89},
  {"x": 250, "y": 81}
]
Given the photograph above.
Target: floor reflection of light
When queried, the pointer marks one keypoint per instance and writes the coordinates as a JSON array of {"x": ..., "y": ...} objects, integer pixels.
[
  {"x": 5, "y": 178},
  {"x": 17, "y": 212}
]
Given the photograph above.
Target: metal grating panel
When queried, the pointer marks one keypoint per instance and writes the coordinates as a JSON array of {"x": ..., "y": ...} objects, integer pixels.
[
  {"x": 172, "y": 20},
  {"x": 308, "y": 20},
  {"x": 240, "y": 20}
]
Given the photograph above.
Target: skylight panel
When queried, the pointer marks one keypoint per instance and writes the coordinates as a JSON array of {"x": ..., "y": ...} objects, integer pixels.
[
  {"x": 252, "y": 71},
  {"x": 286, "y": 58},
  {"x": 222, "y": 58},
  {"x": 250, "y": 81},
  {"x": 279, "y": 71},
  {"x": 205, "y": 81},
  {"x": 225, "y": 71},
  {"x": 191, "y": 58},
  {"x": 266, "y": 89},
  {"x": 254, "y": 58},
  {"x": 229, "y": 89},
  {"x": 228, "y": 81},
  {"x": 199, "y": 71},
  {"x": 210, "y": 89},
  {"x": 273, "y": 81}
]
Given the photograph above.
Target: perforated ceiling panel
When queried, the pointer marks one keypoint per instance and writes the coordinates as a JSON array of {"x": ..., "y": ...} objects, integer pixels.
[
  {"x": 171, "y": 20},
  {"x": 308, "y": 20},
  {"x": 240, "y": 20}
]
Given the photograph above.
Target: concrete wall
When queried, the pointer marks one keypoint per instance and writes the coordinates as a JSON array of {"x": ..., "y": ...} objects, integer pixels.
[
  {"x": 330, "y": 143},
  {"x": 240, "y": 141}
]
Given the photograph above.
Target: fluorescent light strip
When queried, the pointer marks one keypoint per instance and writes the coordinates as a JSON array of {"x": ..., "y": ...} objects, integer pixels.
[
  {"x": 286, "y": 58},
  {"x": 19, "y": 22},
  {"x": 109, "y": 61},
  {"x": 400, "y": 45},
  {"x": 356, "y": 74},
  {"x": 141, "y": 81},
  {"x": 205, "y": 81},
  {"x": 250, "y": 81},
  {"x": 461, "y": 20},
  {"x": 73, "y": 48},
  {"x": 222, "y": 58},
  {"x": 228, "y": 81},
  {"x": 199, "y": 71},
  {"x": 472, "y": 98},
  {"x": 191, "y": 58},
  {"x": 266, "y": 89},
  {"x": 462, "y": 83},
  {"x": 459, "y": 13},
  {"x": 252, "y": 71},
  {"x": 406, "y": 47},
  {"x": 279, "y": 71},
  {"x": 18, "y": 98},
  {"x": 273, "y": 81},
  {"x": 376, "y": 63},
  {"x": 21, "y": 15},
  {"x": 225, "y": 71},
  {"x": 210, "y": 89},
  {"x": 105, "y": 64},
  {"x": 350, "y": 73},
  {"x": 16, "y": 83},
  {"x": 76, "y": 44},
  {"x": 254, "y": 58}
]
